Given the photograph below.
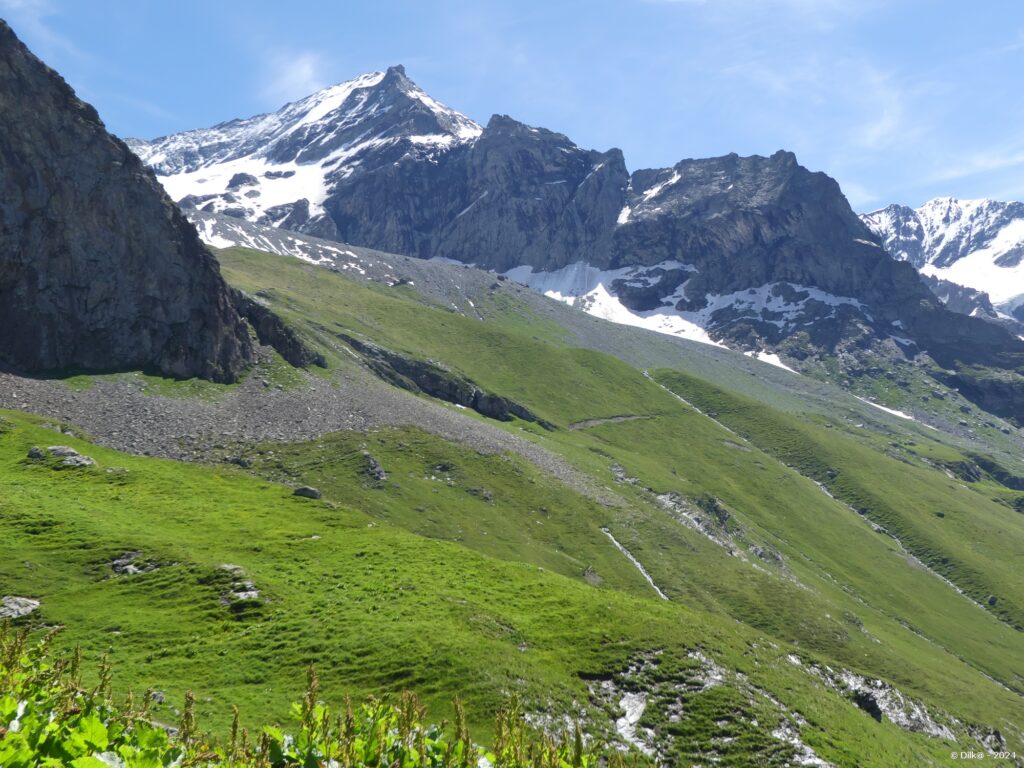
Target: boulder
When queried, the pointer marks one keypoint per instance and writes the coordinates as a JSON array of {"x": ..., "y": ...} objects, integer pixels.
[
  {"x": 306, "y": 492},
  {"x": 14, "y": 607},
  {"x": 77, "y": 462},
  {"x": 242, "y": 180}
]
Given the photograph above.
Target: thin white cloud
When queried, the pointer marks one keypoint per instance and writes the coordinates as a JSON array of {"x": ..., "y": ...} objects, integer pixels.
[
  {"x": 292, "y": 76},
  {"x": 859, "y": 196},
  {"x": 30, "y": 21},
  {"x": 981, "y": 162},
  {"x": 884, "y": 121}
]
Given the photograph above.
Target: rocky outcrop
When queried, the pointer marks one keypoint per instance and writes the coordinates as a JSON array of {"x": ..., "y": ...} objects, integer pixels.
[
  {"x": 272, "y": 331},
  {"x": 970, "y": 301},
  {"x": 98, "y": 268},
  {"x": 422, "y": 376}
]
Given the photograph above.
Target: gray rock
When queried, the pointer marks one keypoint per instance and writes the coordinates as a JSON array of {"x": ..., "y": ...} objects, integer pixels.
[
  {"x": 306, "y": 492},
  {"x": 127, "y": 563},
  {"x": 35, "y": 452},
  {"x": 374, "y": 468},
  {"x": 242, "y": 180},
  {"x": 13, "y": 607},
  {"x": 273, "y": 331},
  {"x": 100, "y": 269},
  {"x": 429, "y": 378},
  {"x": 62, "y": 450},
  {"x": 77, "y": 462}
]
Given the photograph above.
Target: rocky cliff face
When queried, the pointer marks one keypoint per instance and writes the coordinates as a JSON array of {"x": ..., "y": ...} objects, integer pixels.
[
  {"x": 753, "y": 252},
  {"x": 376, "y": 162},
  {"x": 98, "y": 269}
]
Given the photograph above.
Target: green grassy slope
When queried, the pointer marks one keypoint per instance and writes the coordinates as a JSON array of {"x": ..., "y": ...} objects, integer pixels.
[
  {"x": 517, "y": 354},
  {"x": 376, "y": 608},
  {"x": 479, "y": 574},
  {"x": 863, "y": 587}
]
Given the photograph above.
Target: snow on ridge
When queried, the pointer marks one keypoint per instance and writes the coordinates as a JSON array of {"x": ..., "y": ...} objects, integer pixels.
[
  {"x": 202, "y": 162},
  {"x": 589, "y": 288},
  {"x": 658, "y": 188},
  {"x": 961, "y": 241},
  {"x": 465, "y": 128},
  {"x": 320, "y": 104}
]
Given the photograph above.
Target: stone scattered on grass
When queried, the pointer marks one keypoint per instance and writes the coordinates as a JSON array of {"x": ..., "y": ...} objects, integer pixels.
[
  {"x": 14, "y": 607},
  {"x": 306, "y": 492},
  {"x": 374, "y": 468},
  {"x": 242, "y": 588},
  {"x": 131, "y": 563},
  {"x": 78, "y": 461},
  {"x": 72, "y": 458}
]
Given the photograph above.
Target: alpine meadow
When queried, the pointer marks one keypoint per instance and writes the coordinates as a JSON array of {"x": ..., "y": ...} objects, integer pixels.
[{"x": 358, "y": 433}]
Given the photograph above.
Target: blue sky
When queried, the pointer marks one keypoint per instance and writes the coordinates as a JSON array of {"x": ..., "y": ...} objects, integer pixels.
[{"x": 900, "y": 100}]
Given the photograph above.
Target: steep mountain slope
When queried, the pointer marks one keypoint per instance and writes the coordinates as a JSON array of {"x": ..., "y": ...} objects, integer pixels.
[
  {"x": 98, "y": 269},
  {"x": 280, "y": 168},
  {"x": 974, "y": 243},
  {"x": 483, "y": 492},
  {"x": 756, "y": 253},
  {"x": 182, "y": 601},
  {"x": 718, "y": 523}
]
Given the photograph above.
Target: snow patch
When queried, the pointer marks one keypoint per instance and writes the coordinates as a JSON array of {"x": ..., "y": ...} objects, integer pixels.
[
  {"x": 591, "y": 289},
  {"x": 772, "y": 359},
  {"x": 890, "y": 411}
]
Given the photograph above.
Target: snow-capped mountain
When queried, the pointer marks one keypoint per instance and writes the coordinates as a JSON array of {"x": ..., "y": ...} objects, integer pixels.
[
  {"x": 279, "y": 168},
  {"x": 756, "y": 253},
  {"x": 974, "y": 243}
]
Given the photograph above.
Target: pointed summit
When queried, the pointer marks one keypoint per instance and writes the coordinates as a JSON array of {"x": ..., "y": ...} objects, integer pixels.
[{"x": 279, "y": 168}]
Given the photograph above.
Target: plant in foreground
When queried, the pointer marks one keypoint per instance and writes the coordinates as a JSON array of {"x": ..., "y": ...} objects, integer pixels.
[{"x": 48, "y": 717}]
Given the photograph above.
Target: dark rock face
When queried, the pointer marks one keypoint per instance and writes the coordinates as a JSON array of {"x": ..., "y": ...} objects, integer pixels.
[
  {"x": 431, "y": 379},
  {"x": 288, "y": 216},
  {"x": 98, "y": 269},
  {"x": 517, "y": 195},
  {"x": 967, "y": 301},
  {"x": 271, "y": 330},
  {"x": 524, "y": 196}
]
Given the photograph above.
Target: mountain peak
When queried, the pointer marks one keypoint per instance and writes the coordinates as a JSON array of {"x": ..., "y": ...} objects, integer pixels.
[
  {"x": 279, "y": 168},
  {"x": 978, "y": 243}
]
